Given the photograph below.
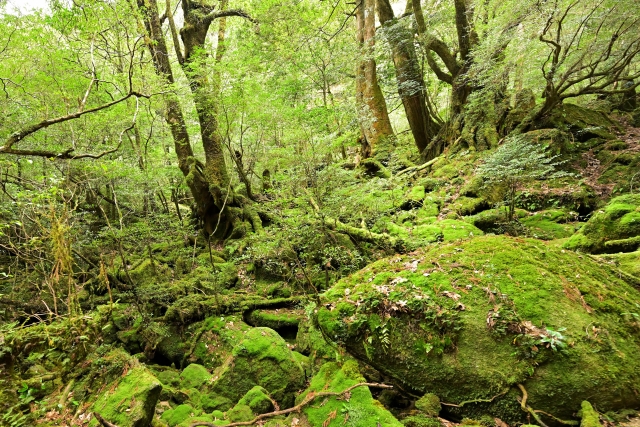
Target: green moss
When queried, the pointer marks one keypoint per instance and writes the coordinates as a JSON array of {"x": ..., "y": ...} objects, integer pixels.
[
  {"x": 310, "y": 340},
  {"x": 194, "y": 376},
  {"x": 177, "y": 415},
  {"x": 583, "y": 123},
  {"x": 214, "y": 338},
  {"x": 214, "y": 402},
  {"x": 131, "y": 402},
  {"x": 429, "y": 404},
  {"x": 619, "y": 220},
  {"x": 454, "y": 229},
  {"x": 590, "y": 417},
  {"x": 257, "y": 399},
  {"x": 275, "y": 318},
  {"x": 261, "y": 358},
  {"x": 240, "y": 413},
  {"x": 359, "y": 410},
  {"x": 424, "y": 324},
  {"x": 468, "y": 205},
  {"x": 550, "y": 224},
  {"x": 421, "y": 421},
  {"x": 169, "y": 377}
]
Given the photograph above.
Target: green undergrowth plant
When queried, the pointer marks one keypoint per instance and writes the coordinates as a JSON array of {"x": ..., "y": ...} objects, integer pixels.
[{"x": 514, "y": 163}]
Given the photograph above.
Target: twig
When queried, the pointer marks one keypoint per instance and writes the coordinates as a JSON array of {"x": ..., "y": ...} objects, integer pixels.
[{"x": 307, "y": 400}]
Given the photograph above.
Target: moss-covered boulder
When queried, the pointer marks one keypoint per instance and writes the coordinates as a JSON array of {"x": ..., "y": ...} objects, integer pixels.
[
  {"x": 262, "y": 358},
  {"x": 177, "y": 415},
  {"x": 258, "y": 400},
  {"x": 132, "y": 402},
  {"x": 468, "y": 321},
  {"x": 582, "y": 123},
  {"x": 213, "y": 339},
  {"x": 614, "y": 228},
  {"x": 194, "y": 376},
  {"x": 358, "y": 410}
]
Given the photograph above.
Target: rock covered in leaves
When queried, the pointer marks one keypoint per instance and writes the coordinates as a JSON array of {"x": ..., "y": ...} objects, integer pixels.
[{"x": 470, "y": 321}]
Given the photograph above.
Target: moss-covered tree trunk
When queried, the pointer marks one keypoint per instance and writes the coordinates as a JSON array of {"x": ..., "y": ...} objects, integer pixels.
[
  {"x": 188, "y": 164},
  {"x": 378, "y": 139},
  {"x": 220, "y": 210},
  {"x": 411, "y": 87}
]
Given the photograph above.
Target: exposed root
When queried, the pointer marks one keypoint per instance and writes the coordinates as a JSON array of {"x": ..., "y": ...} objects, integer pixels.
[
  {"x": 534, "y": 413},
  {"x": 310, "y": 398},
  {"x": 466, "y": 402}
]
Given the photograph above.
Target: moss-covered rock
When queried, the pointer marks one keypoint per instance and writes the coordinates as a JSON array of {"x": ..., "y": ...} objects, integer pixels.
[
  {"x": 614, "y": 228},
  {"x": 132, "y": 402},
  {"x": 582, "y": 123},
  {"x": 589, "y": 417},
  {"x": 258, "y": 400},
  {"x": 429, "y": 404},
  {"x": 214, "y": 338},
  {"x": 360, "y": 409},
  {"x": 261, "y": 358},
  {"x": 470, "y": 320},
  {"x": 275, "y": 318},
  {"x": 177, "y": 415},
  {"x": 194, "y": 376}
]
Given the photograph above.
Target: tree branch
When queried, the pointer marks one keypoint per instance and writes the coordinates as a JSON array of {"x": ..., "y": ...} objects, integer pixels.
[
  {"x": 231, "y": 12},
  {"x": 21, "y": 134},
  {"x": 307, "y": 400}
]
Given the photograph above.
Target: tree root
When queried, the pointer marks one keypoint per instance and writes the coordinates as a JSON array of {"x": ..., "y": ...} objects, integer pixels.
[
  {"x": 461, "y": 404},
  {"x": 534, "y": 413},
  {"x": 310, "y": 398}
]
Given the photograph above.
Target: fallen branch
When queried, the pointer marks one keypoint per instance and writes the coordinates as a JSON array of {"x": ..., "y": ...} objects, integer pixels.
[
  {"x": 307, "y": 400},
  {"x": 418, "y": 168}
]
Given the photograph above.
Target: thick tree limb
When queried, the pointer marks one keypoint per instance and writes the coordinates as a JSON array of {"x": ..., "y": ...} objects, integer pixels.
[
  {"x": 307, "y": 400},
  {"x": 226, "y": 13},
  {"x": 21, "y": 134}
]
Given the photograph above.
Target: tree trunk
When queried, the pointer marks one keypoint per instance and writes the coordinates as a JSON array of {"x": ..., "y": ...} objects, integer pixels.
[
  {"x": 190, "y": 167},
  {"x": 411, "y": 87},
  {"x": 377, "y": 138}
]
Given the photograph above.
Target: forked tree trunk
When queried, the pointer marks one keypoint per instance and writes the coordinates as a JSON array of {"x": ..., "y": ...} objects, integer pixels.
[
  {"x": 190, "y": 167},
  {"x": 378, "y": 139}
]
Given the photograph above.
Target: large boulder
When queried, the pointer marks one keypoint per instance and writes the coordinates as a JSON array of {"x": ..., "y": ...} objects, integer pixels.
[
  {"x": 132, "y": 402},
  {"x": 261, "y": 358},
  {"x": 469, "y": 321},
  {"x": 614, "y": 228}
]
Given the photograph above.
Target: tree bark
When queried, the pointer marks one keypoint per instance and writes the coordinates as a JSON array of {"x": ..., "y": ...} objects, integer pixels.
[
  {"x": 191, "y": 168},
  {"x": 411, "y": 87},
  {"x": 377, "y": 138}
]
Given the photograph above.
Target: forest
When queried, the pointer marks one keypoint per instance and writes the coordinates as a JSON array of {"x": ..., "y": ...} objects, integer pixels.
[{"x": 320, "y": 213}]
